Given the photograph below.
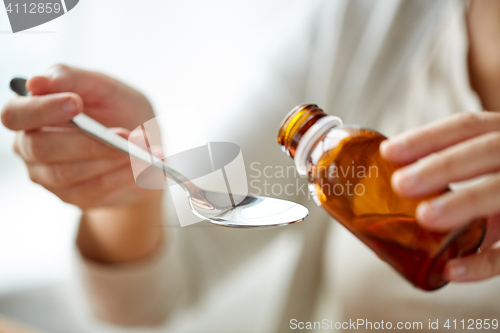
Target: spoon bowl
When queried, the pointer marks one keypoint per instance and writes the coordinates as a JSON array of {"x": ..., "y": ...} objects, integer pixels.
[{"x": 261, "y": 212}]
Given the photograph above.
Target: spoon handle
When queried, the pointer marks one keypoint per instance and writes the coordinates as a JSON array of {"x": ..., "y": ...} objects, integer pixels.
[{"x": 100, "y": 132}]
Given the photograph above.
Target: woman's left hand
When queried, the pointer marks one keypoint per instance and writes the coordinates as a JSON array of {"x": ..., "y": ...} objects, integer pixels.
[{"x": 458, "y": 148}]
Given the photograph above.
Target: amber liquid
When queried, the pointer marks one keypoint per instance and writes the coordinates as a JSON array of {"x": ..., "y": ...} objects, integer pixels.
[{"x": 352, "y": 182}]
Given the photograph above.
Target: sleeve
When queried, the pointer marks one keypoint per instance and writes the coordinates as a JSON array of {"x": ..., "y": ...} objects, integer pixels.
[{"x": 136, "y": 294}]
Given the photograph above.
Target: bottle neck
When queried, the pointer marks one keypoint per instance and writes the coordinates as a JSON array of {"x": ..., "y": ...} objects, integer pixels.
[{"x": 300, "y": 130}]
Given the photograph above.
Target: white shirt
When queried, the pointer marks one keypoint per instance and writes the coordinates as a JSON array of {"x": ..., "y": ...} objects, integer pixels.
[{"x": 389, "y": 65}]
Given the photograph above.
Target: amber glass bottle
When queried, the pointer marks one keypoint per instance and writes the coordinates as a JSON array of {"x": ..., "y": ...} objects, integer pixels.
[{"x": 348, "y": 177}]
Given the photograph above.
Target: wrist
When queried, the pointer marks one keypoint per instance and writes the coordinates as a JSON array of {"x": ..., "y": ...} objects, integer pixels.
[{"x": 124, "y": 233}]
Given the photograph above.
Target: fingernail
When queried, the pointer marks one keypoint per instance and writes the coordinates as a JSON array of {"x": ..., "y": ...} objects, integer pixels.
[
  {"x": 157, "y": 151},
  {"x": 52, "y": 72},
  {"x": 455, "y": 271},
  {"x": 398, "y": 180},
  {"x": 428, "y": 211},
  {"x": 70, "y": 106},
  {"x": 406, "y": 178},
  {"x": 137, "y": 138},
  {"x": 384, "y": 146},
  {"x": 395, "y": 144}
]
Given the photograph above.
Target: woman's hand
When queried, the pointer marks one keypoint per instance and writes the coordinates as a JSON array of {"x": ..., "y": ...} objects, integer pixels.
[
  {"x": 81, "y": 170},
  {"x": 459, "y": 148},
  {"x": 75, "y": 167}
]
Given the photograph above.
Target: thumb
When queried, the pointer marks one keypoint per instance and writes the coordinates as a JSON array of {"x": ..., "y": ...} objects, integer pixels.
[{"x": 91, "y": 86}]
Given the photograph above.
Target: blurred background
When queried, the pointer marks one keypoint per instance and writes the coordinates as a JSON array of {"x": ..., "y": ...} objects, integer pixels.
[{"x": 176, "y": 52}]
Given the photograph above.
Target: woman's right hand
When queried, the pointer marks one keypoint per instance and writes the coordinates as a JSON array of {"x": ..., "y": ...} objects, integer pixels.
[{"x": 77, "y": 168}]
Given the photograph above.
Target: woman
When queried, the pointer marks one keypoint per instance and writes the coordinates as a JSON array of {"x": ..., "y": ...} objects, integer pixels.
[{"x": 388, "y": 65}]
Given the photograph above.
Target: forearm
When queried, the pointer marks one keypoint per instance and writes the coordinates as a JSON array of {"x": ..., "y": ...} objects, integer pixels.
[
  {"x": 121, "y": 234},
  {"x": 484, "y": 51}
]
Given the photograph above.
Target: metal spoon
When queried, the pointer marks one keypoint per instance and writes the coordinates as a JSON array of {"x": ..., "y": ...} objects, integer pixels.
[{"x": 250, "y": 212}]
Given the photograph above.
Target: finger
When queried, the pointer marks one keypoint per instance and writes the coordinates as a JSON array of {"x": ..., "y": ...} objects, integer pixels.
[
  {"x": 455, "y": 209},
  {"x": 472, "y": 158},
  {"x": 56, "y": 146},
  {"x": 91, "y": 86},
  {"x": 137, "y": 137},
  {"x": 141, "y": 139},
  {"x": 102, "y": 190},
  {"x": 417, "y": 143},
  {"x": 27, "y": 113},
  {"x": 64, "y": 175},
  {"x": 476, "y": 267},
  {"x": 157, "y": 151}
]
